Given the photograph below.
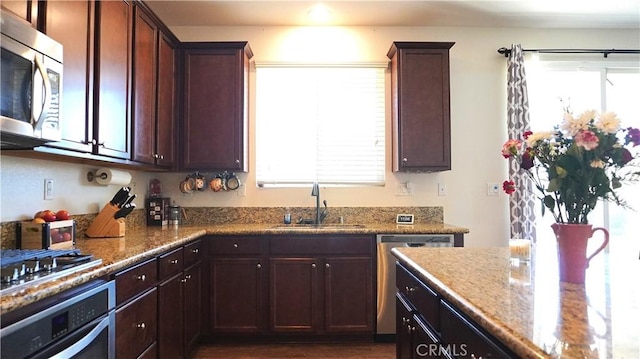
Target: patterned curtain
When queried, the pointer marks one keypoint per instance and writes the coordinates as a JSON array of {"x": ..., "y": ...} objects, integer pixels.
[{"x": 522, "y": 201}]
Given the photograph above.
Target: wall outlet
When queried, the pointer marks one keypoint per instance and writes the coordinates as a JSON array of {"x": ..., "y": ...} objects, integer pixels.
[
  {"x": 403, "y": 189},
  {"x": 241, "y": 191},
  {"x": 48, "y": 188},
  {"x": 493, "y": 189},
  {"x": 442, "y": 189}
]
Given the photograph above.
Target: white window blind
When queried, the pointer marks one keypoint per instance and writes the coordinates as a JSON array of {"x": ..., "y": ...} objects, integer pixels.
[{"x": 320, "y": 123}]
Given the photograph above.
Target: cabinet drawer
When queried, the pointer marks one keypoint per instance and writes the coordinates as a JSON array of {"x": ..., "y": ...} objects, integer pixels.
[
  {"x": 461, "y": 334},
  {"x": 321, "y": 244},
  {"x": 192, "y": 253},
  {"x": 135, "y": 280},
  {"x": 423, "y": 298},
  {"x": 235, "y": 245},
  {"x": 170, "y": 264},
  {"x": 136, "y": 326}
]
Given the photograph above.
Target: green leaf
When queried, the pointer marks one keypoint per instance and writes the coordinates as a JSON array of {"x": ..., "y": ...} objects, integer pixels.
[{"x": 549, "y": 202}]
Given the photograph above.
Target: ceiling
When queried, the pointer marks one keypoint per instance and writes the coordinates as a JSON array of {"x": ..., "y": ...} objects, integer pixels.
[{"x": 489, "y": 13}]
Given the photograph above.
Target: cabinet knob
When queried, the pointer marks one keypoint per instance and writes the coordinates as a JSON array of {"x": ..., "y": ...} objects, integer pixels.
[
  {"x": 183, "y": 280},
  {"x": 259, "y": 266},
  {"x": 235, "y": 245},
  {"x": 410, "y": 289},
  {"x": 173, "y": 261},
  {"x": 327, "y": 265},
  {"x": 195, "y": 250},
  {"x": 404, "y": 159},
  {"x": 313, "y": 265},
  {"x": 405, "y": 321},
  {"x": 237, "y": 161},
  {"x": 155, "y": 155},
  {"x": 162, "y": 157},
  {"x": 141, "y": 325},
  {"x": 141, "y": 277}
]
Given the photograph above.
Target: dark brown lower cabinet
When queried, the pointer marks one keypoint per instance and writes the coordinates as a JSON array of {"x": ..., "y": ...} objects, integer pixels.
[
  {"x": 294, "y": 295},
  {"x": 236, "y": 295},
  {"x": 136, "y": 325},
  {"x": 192, "y": 306},
  {"x": 428, "y": 326},
  {"x": 170, "y": 317},
  {"x": 321, "y": 295}
]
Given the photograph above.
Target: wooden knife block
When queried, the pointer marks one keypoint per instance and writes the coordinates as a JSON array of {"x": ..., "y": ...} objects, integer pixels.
[{"x": 105, "y": 225}]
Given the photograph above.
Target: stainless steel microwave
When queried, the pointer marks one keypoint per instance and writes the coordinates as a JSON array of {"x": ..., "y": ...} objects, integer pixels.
[{"x": 31, "y": 77}]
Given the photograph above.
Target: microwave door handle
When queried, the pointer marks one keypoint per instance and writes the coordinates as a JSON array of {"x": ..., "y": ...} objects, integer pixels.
[{"x": 38, "y": 122}]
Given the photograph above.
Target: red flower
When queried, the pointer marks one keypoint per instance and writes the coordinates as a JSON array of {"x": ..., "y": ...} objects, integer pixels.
[
  {"x": 526, "y": 134},
  {"x": 508, "y": 187},
  {"x": 527, "y": 159}
]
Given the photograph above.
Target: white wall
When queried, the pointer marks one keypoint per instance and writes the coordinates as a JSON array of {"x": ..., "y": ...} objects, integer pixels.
[{"x": 478, "y": 120}]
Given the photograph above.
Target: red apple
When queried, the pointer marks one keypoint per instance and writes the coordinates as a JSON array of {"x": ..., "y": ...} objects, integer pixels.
[
  {"x": 48, "y": 216},
  {"x": 66, "y": 236},
  {"x": 62, "y": 215}
]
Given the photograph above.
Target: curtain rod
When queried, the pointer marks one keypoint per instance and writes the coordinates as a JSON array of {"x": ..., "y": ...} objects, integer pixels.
[{"x": 506, "y": 52}]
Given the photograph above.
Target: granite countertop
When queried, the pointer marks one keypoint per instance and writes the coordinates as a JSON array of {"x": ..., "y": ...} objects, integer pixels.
[
  {"x": 524, "y": 305},
  {"x": 146, "y": 242}
]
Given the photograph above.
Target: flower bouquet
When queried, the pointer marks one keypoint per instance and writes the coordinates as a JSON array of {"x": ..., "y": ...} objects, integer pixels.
[{"x": 582, "y": 160}]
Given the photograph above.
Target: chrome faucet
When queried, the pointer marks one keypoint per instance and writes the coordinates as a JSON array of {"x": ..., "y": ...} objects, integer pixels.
[{"x": 315, "y": 191}]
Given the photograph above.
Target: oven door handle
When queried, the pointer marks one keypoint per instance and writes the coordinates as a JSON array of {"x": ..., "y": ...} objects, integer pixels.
[{"x": 81, "y": 344}]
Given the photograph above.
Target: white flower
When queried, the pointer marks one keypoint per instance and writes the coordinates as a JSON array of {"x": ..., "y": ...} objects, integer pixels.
[
  {"x": 573, "y": 125},
  {"x": 539, "y": 136},
  {"x": 608, "y": 122}
]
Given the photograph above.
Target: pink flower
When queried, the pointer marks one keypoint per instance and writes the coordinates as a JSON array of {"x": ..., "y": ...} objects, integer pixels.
[
  {"x": 511, "y": 148},
  {"x": 587, "y": 139},
  {"x": 508, "y": 187}
]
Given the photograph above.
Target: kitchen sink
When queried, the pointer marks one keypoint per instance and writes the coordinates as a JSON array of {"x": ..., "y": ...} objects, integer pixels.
[{"x": 298, "y": 227}]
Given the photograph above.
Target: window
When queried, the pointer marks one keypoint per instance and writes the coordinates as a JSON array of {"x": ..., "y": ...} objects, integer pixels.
[{"x": 320, "y": 124}]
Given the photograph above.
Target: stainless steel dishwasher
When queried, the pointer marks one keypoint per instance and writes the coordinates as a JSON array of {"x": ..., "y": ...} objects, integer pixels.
[{"x": 386, "y": 310}]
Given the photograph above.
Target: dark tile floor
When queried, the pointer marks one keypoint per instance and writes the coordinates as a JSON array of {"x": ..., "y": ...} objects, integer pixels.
[{"x": 313, "y": 351}]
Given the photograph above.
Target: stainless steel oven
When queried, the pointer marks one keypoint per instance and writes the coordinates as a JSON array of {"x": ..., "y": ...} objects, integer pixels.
[
  {"x": 82, "y": 325},
  {"x": 31, "y": 82},
  {"x": 386, "y": 314}
]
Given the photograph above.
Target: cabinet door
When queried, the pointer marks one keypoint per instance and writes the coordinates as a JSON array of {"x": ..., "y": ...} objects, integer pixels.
[
  {"x": 215, "y": 108},
  {"x": 421, "y": 113},
  {"x": 70, "y": 23},
  {"x": 144, "y": 86},
  {"x": 25, "y": 9},
  {"x": 192, "y": 306},
  {"x": 348, "y": 294},
  {"x": 113, "y": 26},
  {"x": 165, "y": 130},
  {"x": 236, "y": 295},
  {"x": 136, "y": 325},
  {"x": 170, "y": 317},
  {"x": 294, "y": 295},
  {"x": 404, "y": 334}
]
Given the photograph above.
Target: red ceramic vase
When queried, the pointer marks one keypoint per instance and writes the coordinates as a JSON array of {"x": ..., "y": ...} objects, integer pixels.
[{"x": 572, "y": 249}]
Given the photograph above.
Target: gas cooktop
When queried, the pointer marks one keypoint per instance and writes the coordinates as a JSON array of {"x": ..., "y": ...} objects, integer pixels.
[{"x": 21, "y": 268}]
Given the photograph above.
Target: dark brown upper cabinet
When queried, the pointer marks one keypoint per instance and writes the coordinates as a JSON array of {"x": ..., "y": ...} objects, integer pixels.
[
  {"x": 420, "y": 106},
  {"x": 214, "y": 132},
  {"x": 71, "y": 24},
  {"x": 112, "y": 135},
  {"x": 153, "y": 101}
]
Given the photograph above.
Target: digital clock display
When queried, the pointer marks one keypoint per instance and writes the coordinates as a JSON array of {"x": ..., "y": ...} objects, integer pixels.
[{"x": 404, "y": 218}]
